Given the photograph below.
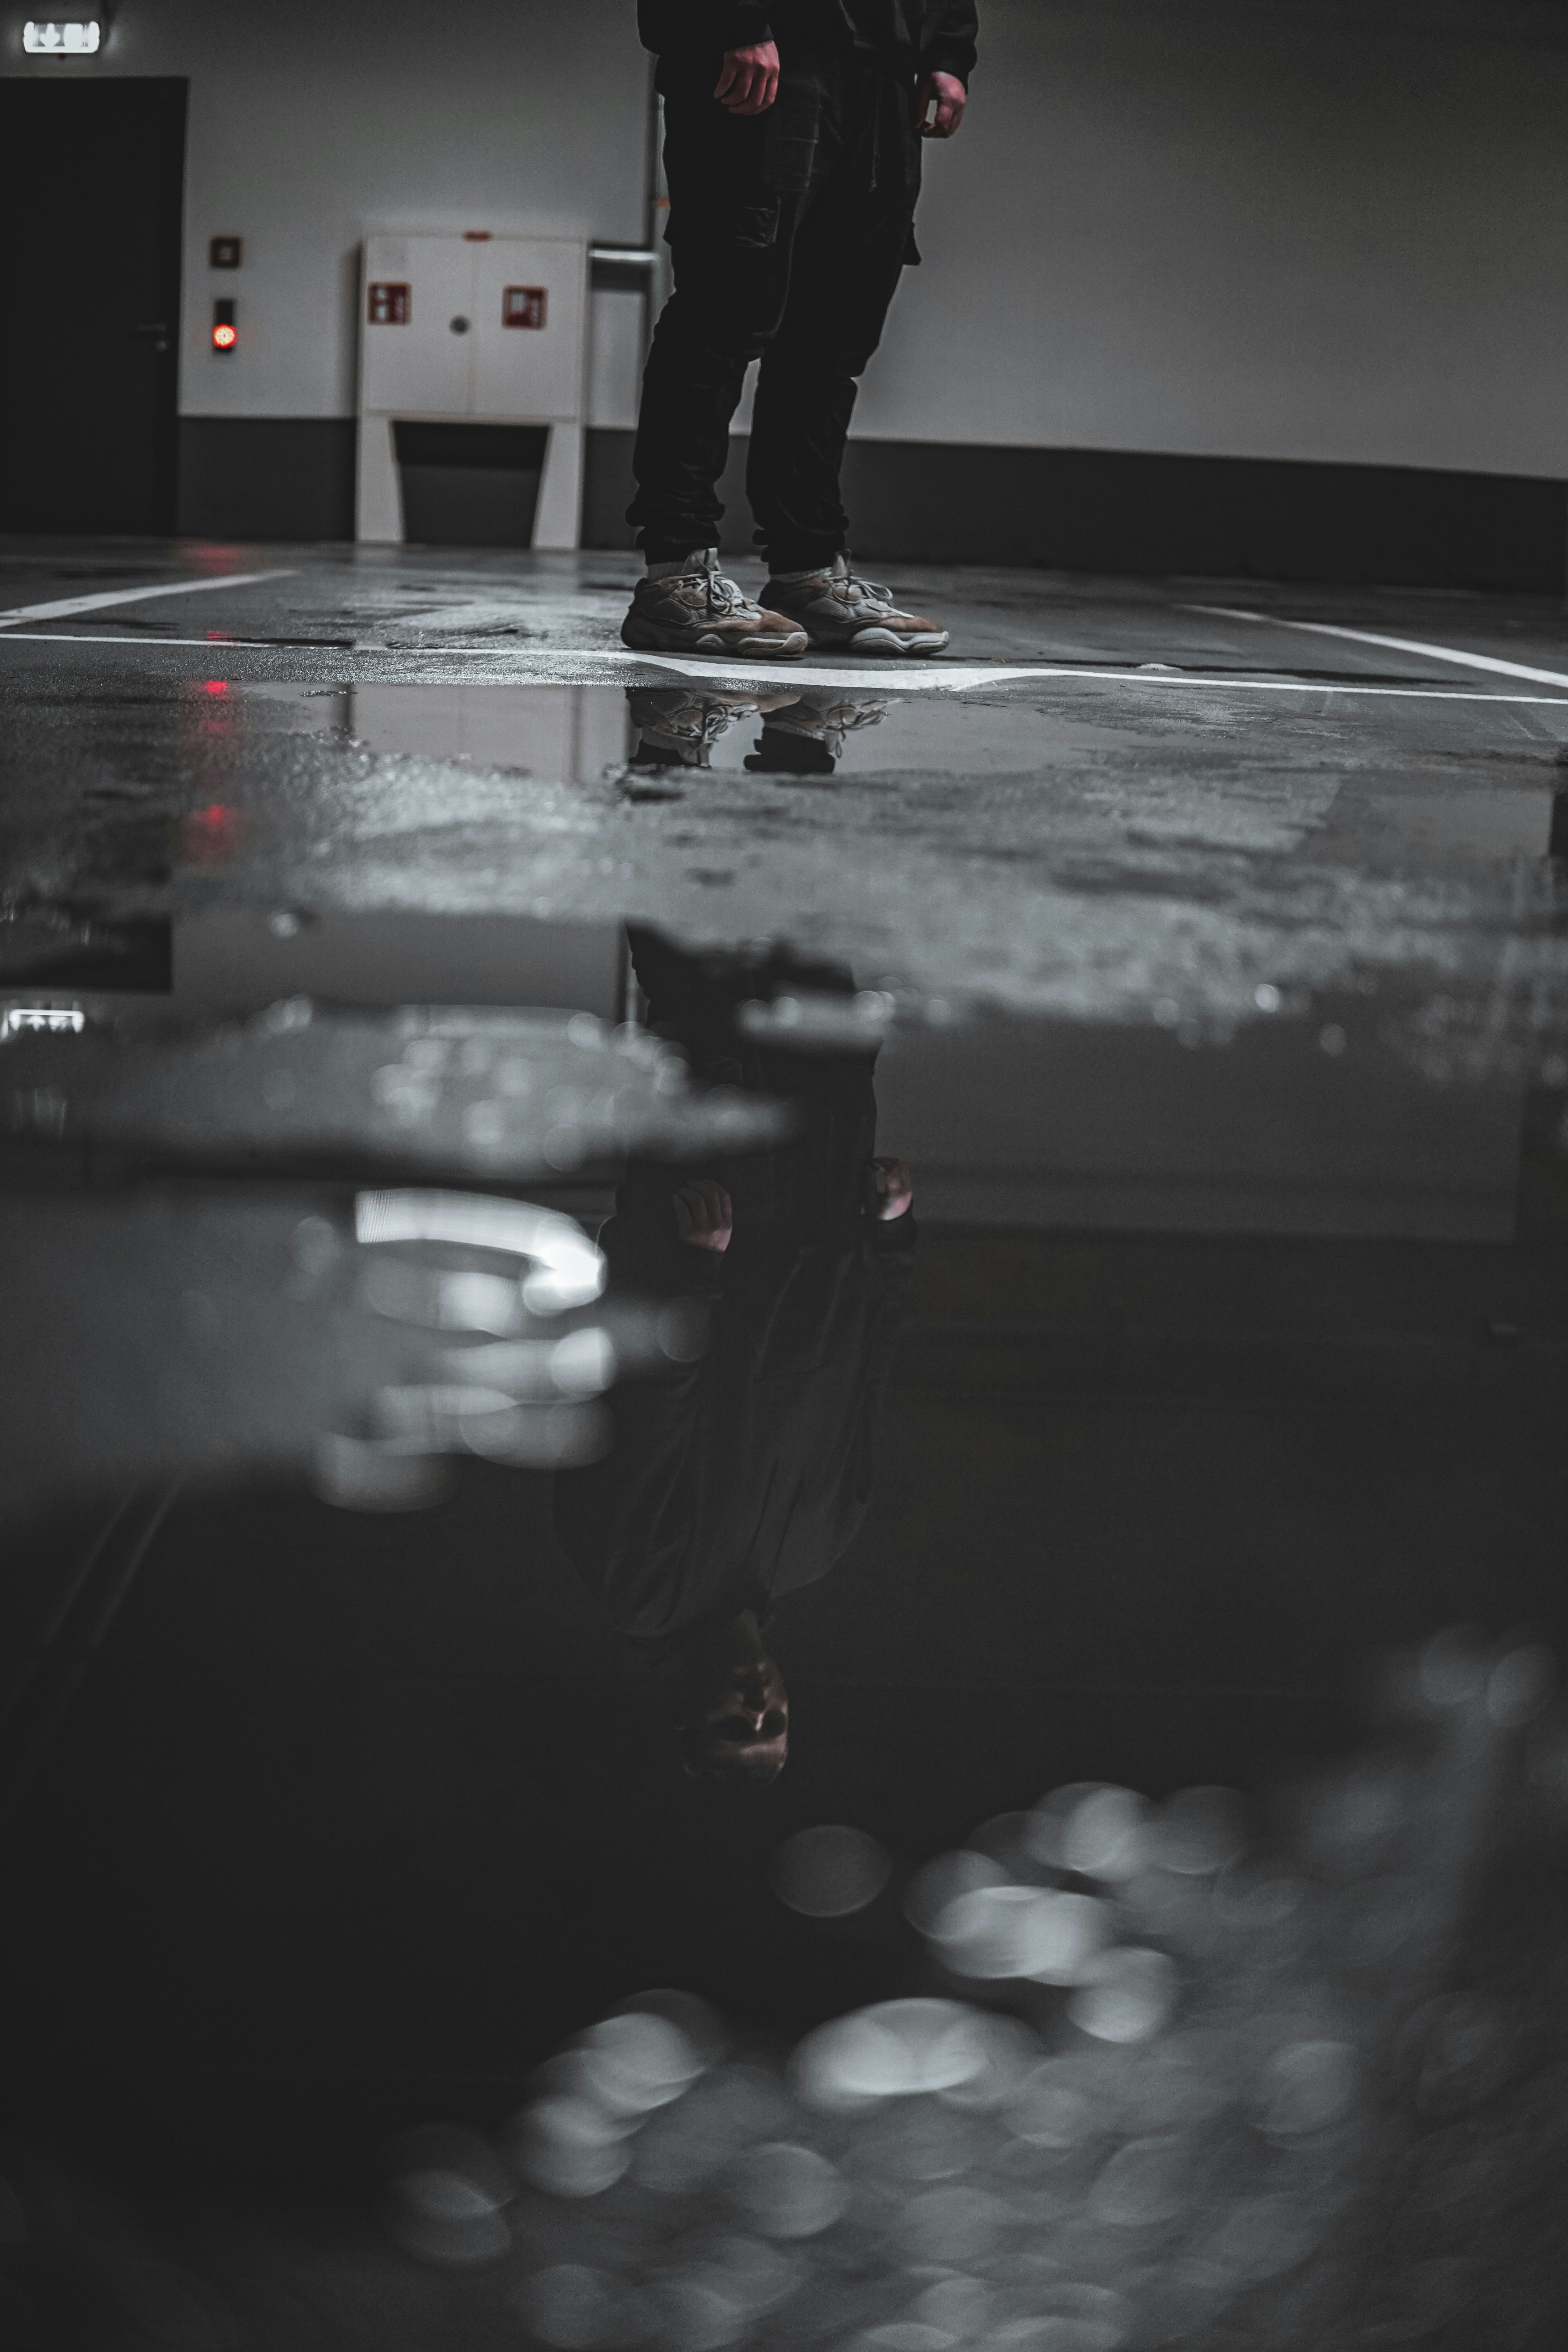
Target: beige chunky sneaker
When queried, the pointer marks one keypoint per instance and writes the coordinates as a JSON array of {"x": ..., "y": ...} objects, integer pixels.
[
  {"x": 842, "y": 614},
  {"x": 679, "y": 726},
  {"x": 696, "y": 609},
  {"x": 804, "y": 735}
]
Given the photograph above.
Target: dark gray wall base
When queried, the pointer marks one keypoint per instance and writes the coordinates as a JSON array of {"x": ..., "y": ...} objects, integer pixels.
[
  {"x": 266, "y": 477},
  {"x": 1107, "y": 510},
  {"x": 939, "y": 502}
]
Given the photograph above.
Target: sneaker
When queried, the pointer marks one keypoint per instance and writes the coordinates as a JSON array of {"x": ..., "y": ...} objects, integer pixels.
[
  {"x": 679, "y": 726},
  {"x": 850, "y": 616},
  {"x": 699, "y": 611},
  {"x": 805, "y": 737}
]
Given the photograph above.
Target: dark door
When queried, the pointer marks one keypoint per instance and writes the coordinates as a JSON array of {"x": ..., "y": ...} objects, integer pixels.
[{"x": 91, "y": 175}]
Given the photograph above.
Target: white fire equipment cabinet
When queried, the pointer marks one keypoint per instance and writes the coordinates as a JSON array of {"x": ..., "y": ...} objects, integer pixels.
[{"x": 464, "y": 330}]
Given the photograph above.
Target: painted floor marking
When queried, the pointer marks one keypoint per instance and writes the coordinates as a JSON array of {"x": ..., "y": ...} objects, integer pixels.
[
  {"x": 1396, "y": 645},
  {"x": 62, "y": 605},
  {"x": 899, "y": 677}
]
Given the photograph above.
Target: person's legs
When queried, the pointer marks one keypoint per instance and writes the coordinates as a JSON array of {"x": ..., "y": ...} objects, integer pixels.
[
  {"x": 849, "y": 254},
  {"x": 736, "y": 188}
]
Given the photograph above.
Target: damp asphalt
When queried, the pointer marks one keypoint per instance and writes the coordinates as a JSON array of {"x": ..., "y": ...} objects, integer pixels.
[{"x": 1212, "y": 939}]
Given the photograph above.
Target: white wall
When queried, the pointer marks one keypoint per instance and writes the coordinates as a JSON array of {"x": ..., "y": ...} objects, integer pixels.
[
  {"x": 1330, "y": 229},
  {"x": 1264, "y": 228},
  {"x": 313, "y": 120}
]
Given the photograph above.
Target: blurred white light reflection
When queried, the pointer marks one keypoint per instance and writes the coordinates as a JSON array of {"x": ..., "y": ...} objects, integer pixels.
[
  {"x": 1199, "y": 1831},
  {"x": 1150, "y": 2180},
  {"x": 571, "y": 2307},
  {"x": 816, "y": 1022},
  {"x": 78, "y": 38},
  {"x": 1519, "y": 1684},
  {"x": 479, "y": 1302},
  {"x": 787, "y": 2191},
  {"x": 22, "y": 1018},
  {"x": 830, "y": 1871},
  {"x": 573, "y": 2148},
  {"x": 904, "y": 2336},
  {"x": 582, "y": 1364},
  {"x": 952, "y": 2224},
  {"x": 1339, "y": 2146},
  {"x": 568, "y": 1269},
  {"x": 891, "y": 2050},
  {"x": 449, "y": 2192},
  {"x": 1021, "y": 1931},
  {"x": 1097, "y": 1832},
  {"x": 942, "y": 1881},
  {"x": 635, "y": 2062},
  {"x": 360, "y": 1474},
  {"x": 1309, "y": 2084},
  {"x": 1128, "y": 1996}
]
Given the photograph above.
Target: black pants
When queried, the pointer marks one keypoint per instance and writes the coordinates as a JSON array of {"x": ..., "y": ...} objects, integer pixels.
[{"x": 788, "y": 231}]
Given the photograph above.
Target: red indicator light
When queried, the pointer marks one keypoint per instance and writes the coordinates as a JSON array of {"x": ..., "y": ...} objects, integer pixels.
[
  {"x": 214, "y": 686},
  {"x": 226, "y": 334},
  {"x": 224, "y": 338}
]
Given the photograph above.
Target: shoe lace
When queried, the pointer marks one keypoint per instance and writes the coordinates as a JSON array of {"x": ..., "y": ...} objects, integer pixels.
[
  {"x": 703, "y": 720},
  {"x": 857, "y": 590},
  {"x": 724, "y": 596}
]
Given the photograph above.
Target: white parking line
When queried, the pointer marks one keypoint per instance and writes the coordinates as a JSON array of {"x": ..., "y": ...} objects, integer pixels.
[
  {"x": 901, "y": 677},
  {"x": 954, "y": 680},
  {"x": 1396, "y": 645},
  {"x": 62, "y": 605}
]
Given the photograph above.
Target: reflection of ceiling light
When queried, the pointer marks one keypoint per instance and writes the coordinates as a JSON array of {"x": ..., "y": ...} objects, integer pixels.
[
  {"x": 42, "y": 1016},
  {"x": 74, "y": 40},
  {"x": 568, "y": 1269}
]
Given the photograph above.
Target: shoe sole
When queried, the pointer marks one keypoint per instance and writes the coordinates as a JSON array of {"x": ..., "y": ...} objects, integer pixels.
[
  {"x": 889, "y": 641},
  {"x": 883, "y": 641},
  {"x": 646, "y": 639}
]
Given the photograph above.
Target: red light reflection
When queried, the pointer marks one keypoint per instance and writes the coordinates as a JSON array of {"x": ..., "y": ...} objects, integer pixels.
[{"x": 210, "y": 835}]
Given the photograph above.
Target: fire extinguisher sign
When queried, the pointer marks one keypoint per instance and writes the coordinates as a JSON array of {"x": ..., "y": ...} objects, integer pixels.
[{"x": 524, "y": 306}]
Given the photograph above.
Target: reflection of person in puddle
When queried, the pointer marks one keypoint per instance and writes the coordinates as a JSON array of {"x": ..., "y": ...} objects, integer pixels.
[
  {"x": 747, "y": 1476},
  {"x": 802, "y": 733}
]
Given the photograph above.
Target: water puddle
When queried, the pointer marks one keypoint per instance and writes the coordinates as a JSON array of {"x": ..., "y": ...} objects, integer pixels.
[{"x": 656, "y": 1442}]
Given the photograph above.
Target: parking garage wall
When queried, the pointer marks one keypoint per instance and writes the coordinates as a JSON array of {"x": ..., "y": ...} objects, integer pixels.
[
  {"x": 310, "y": 125},
  {"x": 1208, "y": 285}
]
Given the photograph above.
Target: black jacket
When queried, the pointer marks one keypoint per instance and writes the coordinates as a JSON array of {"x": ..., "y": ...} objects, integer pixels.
[
  {"x": 747, "y": 1477},
  {"x": 938, "y": 36}
]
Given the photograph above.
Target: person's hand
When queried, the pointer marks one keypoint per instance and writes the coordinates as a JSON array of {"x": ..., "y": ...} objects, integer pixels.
[
  {"x": 703, "y": 1217},
  {"x": 893, "y": 1189},
  {"x": 948, "y": 95},
  {"x": 750, "y": 81}
]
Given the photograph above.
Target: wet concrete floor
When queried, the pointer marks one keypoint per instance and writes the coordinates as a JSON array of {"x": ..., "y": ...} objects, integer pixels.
[{"x": 1208, "y": 944}]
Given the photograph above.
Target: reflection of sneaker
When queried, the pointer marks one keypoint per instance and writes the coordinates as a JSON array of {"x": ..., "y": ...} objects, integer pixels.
[
  {"x": 840, "y": 613},
  {"x": 806, "y": 737},
  {"x": 679, "y": 726},
  {"x": 698, "y": 611}
]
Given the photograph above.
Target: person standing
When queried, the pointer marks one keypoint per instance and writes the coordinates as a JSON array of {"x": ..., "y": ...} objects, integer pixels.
[
  {"x": 792, "y": 132},
  {"x": 745, "y": 1474}
]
